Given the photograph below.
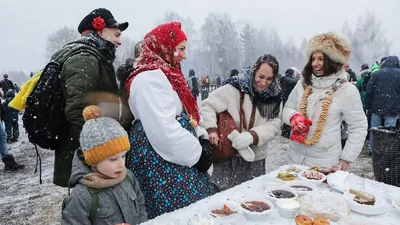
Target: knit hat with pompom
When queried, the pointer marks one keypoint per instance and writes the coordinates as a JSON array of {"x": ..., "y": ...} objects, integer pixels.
[{"x": 101, "y": 137}]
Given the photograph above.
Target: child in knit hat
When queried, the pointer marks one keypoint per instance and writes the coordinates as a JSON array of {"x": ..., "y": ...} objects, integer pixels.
[{"x": 99, "y": 167}]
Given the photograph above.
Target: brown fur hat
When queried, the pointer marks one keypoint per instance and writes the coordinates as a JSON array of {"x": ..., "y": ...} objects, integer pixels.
[{"x": 334, "y": 46}]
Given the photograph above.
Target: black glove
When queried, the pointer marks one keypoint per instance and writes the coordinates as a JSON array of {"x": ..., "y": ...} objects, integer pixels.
[{"x": 205, "y": 160}]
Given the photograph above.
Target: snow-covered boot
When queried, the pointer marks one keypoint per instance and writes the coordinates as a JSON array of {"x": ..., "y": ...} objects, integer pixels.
[{"x": 11, "y": 165}]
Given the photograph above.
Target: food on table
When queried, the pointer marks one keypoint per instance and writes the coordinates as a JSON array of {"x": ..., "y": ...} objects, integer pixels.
[
  {"x": 286, "y": 176},
  {"x": 362, "y": 197},
  {"x": 325, "y": 171},
  {"x": 312, "y": 175},
  {"x": 301, "y": 188},
  {"x": 303, "y": 220},
  {"x": 225, "y": 211},
  {"x": 293, "y": 169},
  {"x": 320, "y": 221},
  {"x": 315, "y": 168},
  {"x": 256, "y": 206},
  {"x": 281, "y": 194}
]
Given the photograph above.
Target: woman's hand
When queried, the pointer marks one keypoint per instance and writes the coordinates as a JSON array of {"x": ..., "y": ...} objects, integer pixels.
[
  {"x": 214, "y": 138},
  {"x": 345, "y": 165}
]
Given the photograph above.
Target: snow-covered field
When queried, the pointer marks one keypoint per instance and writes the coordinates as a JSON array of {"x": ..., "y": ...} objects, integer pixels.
[{"x": 24, "y": 201}]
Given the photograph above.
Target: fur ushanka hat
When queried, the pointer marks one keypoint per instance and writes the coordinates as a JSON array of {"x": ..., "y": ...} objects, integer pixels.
[{"x": 334, "y": 46}]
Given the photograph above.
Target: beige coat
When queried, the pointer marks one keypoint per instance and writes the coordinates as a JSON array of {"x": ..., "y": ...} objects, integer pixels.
[{"x": 227, "y": 98}]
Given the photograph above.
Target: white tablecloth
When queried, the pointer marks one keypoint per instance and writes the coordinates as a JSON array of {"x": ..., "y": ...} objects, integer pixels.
[{"x": 254, "y": 188}]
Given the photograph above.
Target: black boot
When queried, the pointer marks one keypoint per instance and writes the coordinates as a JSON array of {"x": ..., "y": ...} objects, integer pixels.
[{"x": 11, "y": 165}]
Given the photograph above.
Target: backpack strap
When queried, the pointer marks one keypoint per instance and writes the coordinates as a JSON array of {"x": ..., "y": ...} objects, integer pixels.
[
  {"x": 127, "y": 178},
  {"x": 95, "y": 203},
  {"x": 95, "y": 200}
]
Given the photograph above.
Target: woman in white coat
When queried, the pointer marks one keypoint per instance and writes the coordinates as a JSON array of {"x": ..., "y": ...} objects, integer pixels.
[
  {"x": 261, "y": 108},
  {"x": 166, "y": 152},
  {"x": 318, "y": 104}
]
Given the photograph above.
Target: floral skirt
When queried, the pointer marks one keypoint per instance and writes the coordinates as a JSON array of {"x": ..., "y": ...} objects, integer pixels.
[{"x": 165, "y": 185}]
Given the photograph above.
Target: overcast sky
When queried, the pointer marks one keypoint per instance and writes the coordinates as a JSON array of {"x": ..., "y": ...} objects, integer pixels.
[{"x": 26, "y": 24}]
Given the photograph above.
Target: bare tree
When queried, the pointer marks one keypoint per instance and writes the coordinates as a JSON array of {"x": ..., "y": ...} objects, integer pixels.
[
  {"x": 248, "y": 41},
  {"x": 369, "y": 39},
  {"x": 58, "y": 39},
  {"x": 220, "y": 43}
]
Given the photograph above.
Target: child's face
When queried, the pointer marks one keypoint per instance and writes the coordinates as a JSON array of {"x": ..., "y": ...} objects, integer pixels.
[{"x": 113, "y": 166}]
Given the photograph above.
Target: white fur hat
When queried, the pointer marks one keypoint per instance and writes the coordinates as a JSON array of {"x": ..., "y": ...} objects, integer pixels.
[{"x": 334, "y": 46}]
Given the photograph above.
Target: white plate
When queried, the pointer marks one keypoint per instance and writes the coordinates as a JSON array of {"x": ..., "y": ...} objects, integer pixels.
[
  {"x": 396, "y": 205},
  {"x": 300, "y": 167},
  {"x": 336, "y": 181},
  {"x": 236, "y": 218},
  {"x": 316, "y": 182},
  {"x": 376, "y": 209}
]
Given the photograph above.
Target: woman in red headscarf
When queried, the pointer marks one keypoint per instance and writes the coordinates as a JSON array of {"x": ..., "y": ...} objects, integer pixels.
[{"x": 170, "y": 153}]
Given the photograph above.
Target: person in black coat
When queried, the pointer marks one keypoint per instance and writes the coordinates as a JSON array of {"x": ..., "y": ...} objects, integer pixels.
[
  {"x": 10, "y": 118},
  {"x": 122, "y": 74},
  {"x": 287, "y": 84},
  {"x": 6, "y": 84},
  {"x": 383, "y": 95},
  {"x": 193, "y": 84}
]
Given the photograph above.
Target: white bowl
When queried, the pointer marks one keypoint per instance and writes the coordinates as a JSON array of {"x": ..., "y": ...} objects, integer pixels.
[
  {"x": 257, "y": 215},
  {"x": 376, "y": 209},
  {"x": 271, "y": 182},
  {"x": 273, "y": 199},
  {"x": 396, "y": 205},
  {"x": 235, "y": 218},
  {"x": 285, "y": 211},
  {"x": 316, "y": 182},
  {"x": 302, "y": 183}
]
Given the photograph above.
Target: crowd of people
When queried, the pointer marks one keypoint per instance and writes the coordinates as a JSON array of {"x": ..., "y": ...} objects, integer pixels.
[{"x": 153, "y": 157}]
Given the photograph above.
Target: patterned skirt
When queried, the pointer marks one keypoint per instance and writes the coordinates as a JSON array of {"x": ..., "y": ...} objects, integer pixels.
[{"x": 165, "y": 185}]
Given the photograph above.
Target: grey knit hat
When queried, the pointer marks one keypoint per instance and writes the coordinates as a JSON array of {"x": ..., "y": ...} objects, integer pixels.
[{"x": 101, "y": 137}]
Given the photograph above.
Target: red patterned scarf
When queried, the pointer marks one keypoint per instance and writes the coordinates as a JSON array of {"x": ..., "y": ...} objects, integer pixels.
[{"x": 157, "y": 52}]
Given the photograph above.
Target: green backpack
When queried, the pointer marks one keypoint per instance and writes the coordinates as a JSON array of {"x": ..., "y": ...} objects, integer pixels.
[{"x": 94, "y": 192}]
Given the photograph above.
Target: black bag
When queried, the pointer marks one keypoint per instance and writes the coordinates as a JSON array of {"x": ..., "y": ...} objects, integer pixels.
[{"x": 44, "y": 118}]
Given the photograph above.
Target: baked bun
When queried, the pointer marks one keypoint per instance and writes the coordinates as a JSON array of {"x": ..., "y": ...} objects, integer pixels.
[
  {"x": 320, "y": 221},
  {"x": 303, "y": 220}
]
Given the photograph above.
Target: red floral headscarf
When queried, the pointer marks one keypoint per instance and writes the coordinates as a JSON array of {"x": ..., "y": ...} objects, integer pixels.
[{"x": 157, "y": 52}]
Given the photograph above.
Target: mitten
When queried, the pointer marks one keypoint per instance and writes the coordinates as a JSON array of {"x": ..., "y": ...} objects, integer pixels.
[
  {"x": 205, "y": 160},
  {"x": 247, "y": 153},
  {"x": 243, "y": 140},
  {"x": 300, "y": 124}
]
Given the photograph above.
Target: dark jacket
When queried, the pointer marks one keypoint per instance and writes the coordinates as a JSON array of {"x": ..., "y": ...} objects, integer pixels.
[
  {"x": 383, "y": 90},
  {"x": 287, "y": 84},
  {"x": 123, "y": 72},
  {"x": 88, "y": 73},
  {"x": 352, "y": 76},
  {"x": 10, "y": 114},
  {"x": 121, "y": 203},
  {"x": 6, "y": 85}
]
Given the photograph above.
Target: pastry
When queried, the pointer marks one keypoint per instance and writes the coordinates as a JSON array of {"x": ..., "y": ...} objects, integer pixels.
[
  {"x": 303, "y": 220},
  {"x": 363, "y": 198},
  {"x": 320, "y": 221}
]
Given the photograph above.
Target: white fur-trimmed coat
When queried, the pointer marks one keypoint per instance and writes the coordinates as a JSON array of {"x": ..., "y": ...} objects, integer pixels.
[
  {"x": 346, "y": 105},
  {"x": 227, "y": 98}
]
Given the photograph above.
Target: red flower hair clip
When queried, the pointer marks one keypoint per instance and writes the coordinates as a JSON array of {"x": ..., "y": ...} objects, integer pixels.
[{"x": 98, "y": 23}]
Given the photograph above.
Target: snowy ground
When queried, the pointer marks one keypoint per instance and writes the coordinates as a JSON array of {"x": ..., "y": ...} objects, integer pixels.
[{"x": 24, "y": 201}]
